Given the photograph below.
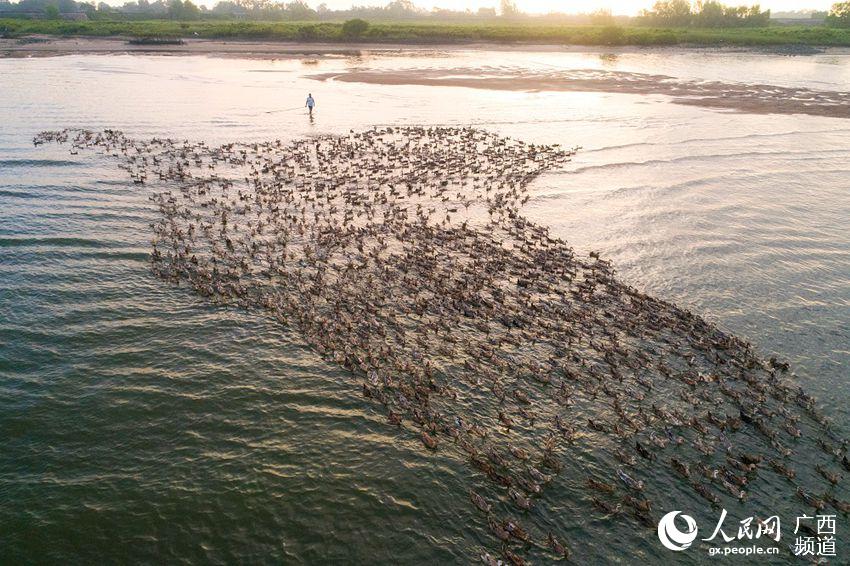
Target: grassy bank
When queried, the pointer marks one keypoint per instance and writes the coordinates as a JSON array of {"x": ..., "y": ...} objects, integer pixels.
[{"x": 437, "y": 33}]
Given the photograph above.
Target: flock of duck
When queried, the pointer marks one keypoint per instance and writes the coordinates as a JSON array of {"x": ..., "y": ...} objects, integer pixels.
[{"x": 401, "y": 255}]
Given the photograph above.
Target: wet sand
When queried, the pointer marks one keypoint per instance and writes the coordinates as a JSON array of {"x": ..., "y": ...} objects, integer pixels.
[
  {"x": 41, "y": 45},
  {"x": 47, "y": 46},
  {"x": 741, "y": 97}
]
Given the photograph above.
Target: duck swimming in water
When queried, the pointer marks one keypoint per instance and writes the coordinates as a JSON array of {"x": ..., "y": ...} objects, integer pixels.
[
  {"x": 479, "y": 502},
  {"x": 680, "y": 467},
  {"x": 605, "y": 507},
  {"x": 517, "y": 531},
  {"x": 706, "y": 493},
  {"x": 559, "y": 549},
  {"x": 644, "y": 452},
  {"x": 498, "y": 530},
  {"x": 781, "y": 468},
  {"x": 632, "y": 483},
  {"x": 429, "y": 441},
  {"x": 810, "y": 499},
  {"x": 600, "y": 486},
  {"x": 519, "y": 499},
  {"x": 831, "y": 477}
]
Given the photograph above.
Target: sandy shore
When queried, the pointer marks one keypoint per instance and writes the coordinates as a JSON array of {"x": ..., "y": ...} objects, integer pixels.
[
  {"x": 741, "y": 97},
  {"x": 49, "y": 46},
  {"x": 46, "y": 46}
]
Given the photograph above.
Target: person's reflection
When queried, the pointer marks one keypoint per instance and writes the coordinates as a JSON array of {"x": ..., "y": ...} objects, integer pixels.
[{"x": 312, "y": 119}]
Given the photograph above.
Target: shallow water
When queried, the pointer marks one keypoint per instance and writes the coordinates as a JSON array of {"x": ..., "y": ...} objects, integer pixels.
[{"x": 141, "y": 423}]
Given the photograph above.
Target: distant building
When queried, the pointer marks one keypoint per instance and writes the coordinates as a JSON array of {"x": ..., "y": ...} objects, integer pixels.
[{"x": 75, "y": 16}]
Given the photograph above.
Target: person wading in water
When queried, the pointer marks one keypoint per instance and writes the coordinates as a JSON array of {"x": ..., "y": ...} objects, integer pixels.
[{"x": 310, "y": 103}]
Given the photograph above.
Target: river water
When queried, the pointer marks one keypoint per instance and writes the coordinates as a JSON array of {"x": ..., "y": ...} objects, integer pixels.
[{"x": 140, "y": 423}]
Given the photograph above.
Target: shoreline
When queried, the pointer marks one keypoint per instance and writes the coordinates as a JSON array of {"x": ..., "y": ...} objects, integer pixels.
[{"x": 44, "y": 45}]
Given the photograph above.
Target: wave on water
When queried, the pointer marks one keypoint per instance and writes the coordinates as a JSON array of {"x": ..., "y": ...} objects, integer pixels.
[
  {"x": 402, "y": 255},
  {"x": 52, "y": 241},
  {"x": 37, "y": 163},
  {"x": 710, "y": 157},
  {"x": 752, "y": 135},
  {"x": 18, "y": 194}
]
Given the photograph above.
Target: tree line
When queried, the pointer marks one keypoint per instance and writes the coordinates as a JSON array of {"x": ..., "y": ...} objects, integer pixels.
[
  {"x": 664, "y": 13},
  {"x": 261, "y": 10},
  {"x": 839, "y": 15},
  {"x": 708, "y": 14},
  {"x": 713, "y": 14}
]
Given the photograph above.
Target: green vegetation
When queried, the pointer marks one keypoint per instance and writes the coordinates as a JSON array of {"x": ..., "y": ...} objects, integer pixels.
[
  {"x": 51, "y": 12},
  {"x": 354, "y": 28},
  {"x": 839, "y": 15},
  {"x": 437, "y": 33},
  {"x": 179, "y": 10},
  {"x": 703, "y": 14}
]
